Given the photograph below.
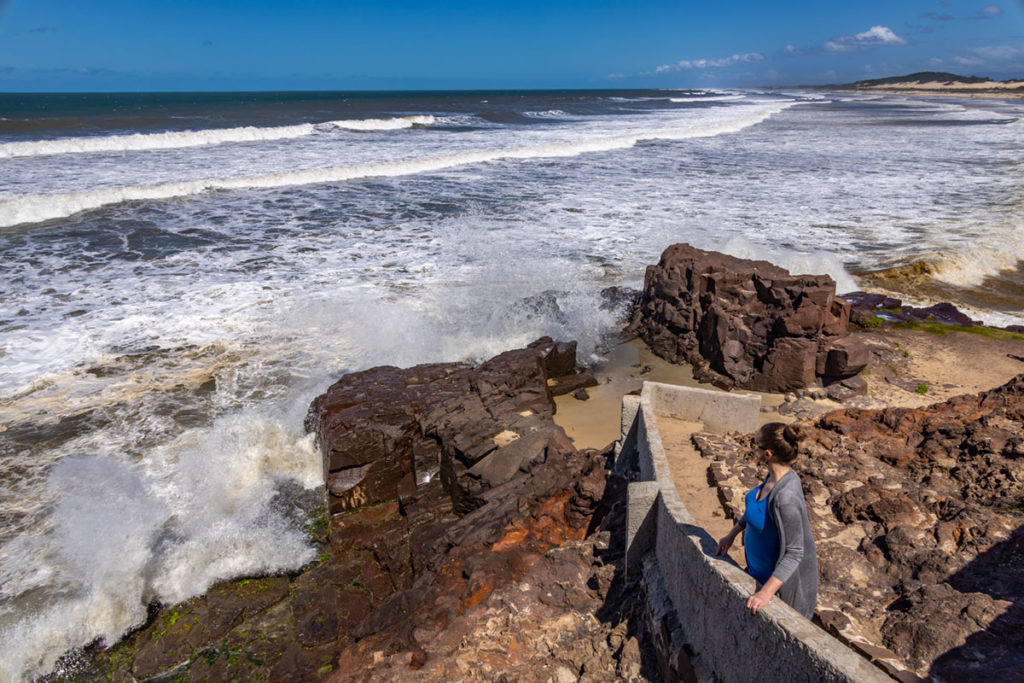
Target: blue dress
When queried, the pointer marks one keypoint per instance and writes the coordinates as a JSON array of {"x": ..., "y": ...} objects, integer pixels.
[{"x": 761, "y": 538}]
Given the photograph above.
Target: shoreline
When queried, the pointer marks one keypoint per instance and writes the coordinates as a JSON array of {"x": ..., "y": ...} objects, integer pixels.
[{"x": 952, "y": 92}]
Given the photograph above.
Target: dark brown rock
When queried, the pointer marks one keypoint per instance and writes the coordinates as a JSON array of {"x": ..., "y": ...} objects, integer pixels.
[
  {"x": 386, "y": 432},
  {"x": 559, "y": 386},
  {"x": 870, "y": 310},
  {"x": 789, "y": 365},
  {"x": 743, "y": 323},
  {"x": 845, "y": 357},
  {"x": 505, "y": 462},
  {"x": 559, "y": 358},
  {"x": 504, "y": 615},
  {"x": 846, "y": 389}
]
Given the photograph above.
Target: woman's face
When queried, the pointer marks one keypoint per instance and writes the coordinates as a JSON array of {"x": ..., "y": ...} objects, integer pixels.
[{"x": 760, "y": 452}]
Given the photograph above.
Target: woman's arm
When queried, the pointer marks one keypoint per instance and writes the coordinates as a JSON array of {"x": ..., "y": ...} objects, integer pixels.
[
  {"x": 726, "y": 542},
  {"x": 789, "y": 518},
  {"x": 762, "y": 597}
]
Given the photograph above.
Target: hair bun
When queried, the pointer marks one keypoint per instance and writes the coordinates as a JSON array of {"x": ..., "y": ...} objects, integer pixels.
[{"x": 790, "y": 435}]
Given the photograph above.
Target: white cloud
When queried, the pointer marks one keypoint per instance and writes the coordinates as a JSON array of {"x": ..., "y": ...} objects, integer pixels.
[
  {"x": 791, "y": 49},
  {"x": 882, "y": 35},
  {"x": 876, "y": 35},
  {"x": 935, "y": 61},
  {"x": 968, "y": 61},
  {"x": 992, "y": 10},
  {"x": 711, "y": 63},
  {"x": 1000, "y": 53}
]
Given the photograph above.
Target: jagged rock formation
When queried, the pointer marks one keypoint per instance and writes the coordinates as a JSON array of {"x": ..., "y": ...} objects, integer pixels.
[
  {"x": 498, "y": 606},
  {"x": 919, "y": 519},
  {"x": 456, "y": 550},
  {"x": 744, "y": 323},
  {"x": 439, "y": 433}
]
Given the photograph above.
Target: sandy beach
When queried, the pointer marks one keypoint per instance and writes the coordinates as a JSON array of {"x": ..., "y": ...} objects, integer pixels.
[
  {"x": 941, "y": 84},
  {"x": 946, "y": 92}
]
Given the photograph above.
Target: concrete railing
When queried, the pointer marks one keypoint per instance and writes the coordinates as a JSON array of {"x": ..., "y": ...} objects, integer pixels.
[{"x": 725, "y": 641}]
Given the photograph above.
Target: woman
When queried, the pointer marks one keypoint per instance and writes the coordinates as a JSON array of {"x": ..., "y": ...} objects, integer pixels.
[{"x": 777, "y": 542}]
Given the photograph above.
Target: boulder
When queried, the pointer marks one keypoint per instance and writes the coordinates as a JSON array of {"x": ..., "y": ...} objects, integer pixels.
[
  {"x": 743, "y": 323},
  {"x": 844, "y": 357},
  {"x": 559, "y": 358},
  {"x": 391, "y": 434},
  {"x": 846, "y": 389}
]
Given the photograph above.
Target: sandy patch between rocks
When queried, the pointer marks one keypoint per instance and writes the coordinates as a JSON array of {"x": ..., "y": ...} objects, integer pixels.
[
  {"x": 594, "y": 423},
  {"x": 946, "y": 364}
]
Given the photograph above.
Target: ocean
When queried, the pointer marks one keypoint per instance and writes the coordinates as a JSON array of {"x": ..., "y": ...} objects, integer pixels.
[{"x": 183, "y": 273}]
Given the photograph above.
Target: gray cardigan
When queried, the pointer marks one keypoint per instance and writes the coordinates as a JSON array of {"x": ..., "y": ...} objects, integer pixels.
[{"x": 797, "y": 566}]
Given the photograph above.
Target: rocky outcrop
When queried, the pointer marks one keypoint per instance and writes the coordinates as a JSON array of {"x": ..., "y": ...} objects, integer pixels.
[
  {"x": 465, "y": 538},
  {"x": 515, "y": 591},
  {"x": 744, "y": 323},
  {"x": 875, "y": 310},
  {"x": 919, "y": 518},
  {"x": 442, "y": 433}
]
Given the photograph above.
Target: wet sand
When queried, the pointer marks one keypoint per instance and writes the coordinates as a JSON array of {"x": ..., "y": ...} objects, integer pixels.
[{"x": 594, "y": 423}]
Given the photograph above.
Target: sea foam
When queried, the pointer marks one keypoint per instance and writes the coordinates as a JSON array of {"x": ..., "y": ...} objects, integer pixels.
[
  {"x": 707, "y": 98},
  {"x": 32, "y": 208},
  {"x": 395, "y": 123},
  {"x": 153, "y": 141},
  {"x": 137, "y": 142},
  {"x": 125, "y": 534}
]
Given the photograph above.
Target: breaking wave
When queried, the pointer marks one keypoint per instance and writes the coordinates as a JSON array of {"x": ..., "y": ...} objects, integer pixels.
[
  {"x": 149, "y": 141},
  {"x": 966, "y": 269},
  {"x": 395, "y": 123},
  {"x": 707, "y": 98},
  {"x": 123, "y": 536},
  {"x": 198, "y": 138},
  {"x": 32, "y": 208}
]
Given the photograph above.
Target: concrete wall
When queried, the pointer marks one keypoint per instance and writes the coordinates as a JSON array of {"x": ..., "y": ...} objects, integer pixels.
[
  {"x": 719, "y": 411},
  {"x": 709, "y": 594}
]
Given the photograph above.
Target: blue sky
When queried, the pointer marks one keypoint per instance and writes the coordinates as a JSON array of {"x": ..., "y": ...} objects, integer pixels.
[{"x": 97, "y": 45}]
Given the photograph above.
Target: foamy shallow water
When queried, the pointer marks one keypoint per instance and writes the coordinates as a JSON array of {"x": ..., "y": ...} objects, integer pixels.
[{"x": 173, "y": 299}]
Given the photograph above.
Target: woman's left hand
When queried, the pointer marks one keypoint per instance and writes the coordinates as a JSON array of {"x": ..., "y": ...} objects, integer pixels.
[
  {"x": 762, "y": 597},
  {"x": 758, "y": 600}
]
